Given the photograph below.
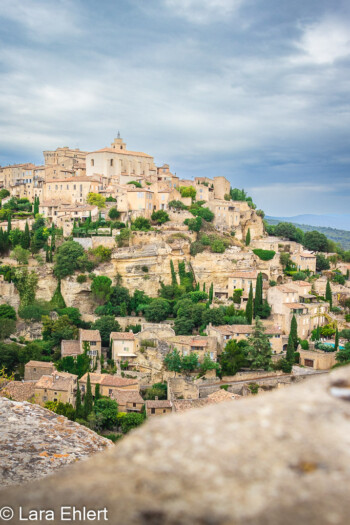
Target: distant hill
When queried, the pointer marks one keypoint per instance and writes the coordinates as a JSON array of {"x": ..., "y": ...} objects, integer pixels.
[
  {"x": 333, "y": 220},
  {"x": 341, "y": 236}
]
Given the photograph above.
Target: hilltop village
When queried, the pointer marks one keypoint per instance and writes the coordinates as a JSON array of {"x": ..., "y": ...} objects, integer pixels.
[{"x": 128, "y": 292}]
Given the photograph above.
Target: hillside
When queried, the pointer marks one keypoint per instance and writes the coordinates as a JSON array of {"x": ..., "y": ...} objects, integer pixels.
[
  {"x": 340, "y": 236},
  {"x": 337, "y": 221}
]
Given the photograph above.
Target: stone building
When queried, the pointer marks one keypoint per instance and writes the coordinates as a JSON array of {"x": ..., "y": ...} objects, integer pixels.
[
  {"x": 128, "y": 400},
  {"x": 71, "y": 190},
  {"x": 158, "y": 407},
  {"x": 240, "y": 332},
  {"x": 34, "y": 370},
  {"x": 317, "y": 359},
  {"x": 59, "y": 386},
  {"x": 108, "y": 384},
  {"x": 117, "y": 162},
  {"x": 188, "y": 344},
  {"x": 124, "y": 347}
]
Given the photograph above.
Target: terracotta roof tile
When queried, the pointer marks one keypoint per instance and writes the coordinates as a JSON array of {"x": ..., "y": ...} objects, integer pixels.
[{"x": 158, "y": 403}]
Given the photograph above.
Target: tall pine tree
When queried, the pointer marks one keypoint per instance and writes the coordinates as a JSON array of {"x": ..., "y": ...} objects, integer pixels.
[
  {"x": 211, "y": 293},
  {"x": 88, "y": 400},
  {"x": 36, "y": 206},
  {"x": 249, "y": 310},
  {"x": 173, "y": 273},
  {"x": 78, "y": 406},
  {"x": 329, "y": 294},
  {"x": 9, "y": 226},
  {"x": 26, "y": 238},
  {"x": 247, "y": 238},
  {"x": 258, "y": 302},
  {"x": 294, "y": 332},
  {"x": 290, "y": 350},
  {"x": 336, "y": 342},
  {"x": 97, "y": 392}
]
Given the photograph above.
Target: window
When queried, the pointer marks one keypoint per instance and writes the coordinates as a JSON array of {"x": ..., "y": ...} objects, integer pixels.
[
  {"x": 134, "y": 405},
  {"x": 92, "y": 162},
  {"x": 92, "y": 343},
  {"x": 153, "y": 410},
  {"x": 111, "y": 162},
  {"x": 110, "y": 391},
  {"x": 164, "y": 411},
  {"x": 139, "y": 195}
]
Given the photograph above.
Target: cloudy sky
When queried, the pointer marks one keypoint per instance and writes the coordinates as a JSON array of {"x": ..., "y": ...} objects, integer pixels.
[{"x": 256, "y": 91}]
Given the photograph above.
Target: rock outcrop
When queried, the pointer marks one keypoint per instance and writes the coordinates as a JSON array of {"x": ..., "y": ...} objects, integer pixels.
[
  {"x": 280, "y": 458},
  {"x": 35, "y": 442}
]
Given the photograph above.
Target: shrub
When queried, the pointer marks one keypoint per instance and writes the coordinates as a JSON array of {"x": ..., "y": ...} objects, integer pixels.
[
  {"x": 160, "y": 216},
  {"x": 135, "y": 183},
  {"x": 35, "y": 311},
  {"x": 101, "y": 254},
  {"x": 7, "y": 312},
  {"x": 264, "y": 255},
  {"x": 141, "y": 224},
  {"x": 113, "y": 214},
  {"x": 130, "y": 421},
  {"x": 218, "y": 246},
  {"x": 194, "y": 224},
  {"x": 188, "y": 191},
  {"x": 81, "y": 278},
  {"x": 178, "y": 205},
  {"x": 299, "y": 276}
]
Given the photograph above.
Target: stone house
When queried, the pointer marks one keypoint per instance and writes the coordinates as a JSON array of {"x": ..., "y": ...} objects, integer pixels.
[
  {"x": 108, "y": 384},
  {"x": 304, "y": 260},
  {"x": 242, "y": 279},
  {"x": 225, "y": 333},
  {"x": 188, "y": 344},
  {"x": 317, "y": 359},
  {"x": 34, "y": 370},
  {"x": 141, "y": 202},
  {"x": 89, "y": 339},
  {"x": 59, "y": 386},
  {"x": 71, "y": 190},
  {"x": 128, "y": 400},
  {"x": 158, "y": 407},
  {"x": 124, "y": 347}
]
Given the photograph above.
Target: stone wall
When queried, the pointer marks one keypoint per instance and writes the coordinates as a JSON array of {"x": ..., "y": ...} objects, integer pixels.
[{"x": 281, "y": 458}]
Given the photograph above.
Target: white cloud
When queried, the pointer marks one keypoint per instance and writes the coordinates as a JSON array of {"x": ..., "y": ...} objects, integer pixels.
[
  {"x": 43, "y": 20},
  {"x": 203, "y": 11},
  {"x": 326, "y": 41}
]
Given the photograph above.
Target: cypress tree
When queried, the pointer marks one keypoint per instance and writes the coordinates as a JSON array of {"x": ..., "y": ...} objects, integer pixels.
[
  {"x": 47, "y": 254},
  {"x": 97, "y": 392},
  {"x": 211, "y": 293},
  {"x": 173, "y": 273},
  {"x": 26, "y": 238},
  {"x": 250, "y": 306},
  {"x": 290, "y": 350},
  {"x": 294, "y": 332},
  {"x": 88, "y": 400},
  {"x": 78, "y": 406},
  {"x": 247, "y": 238},
  {"x": 336, "y": 342},
  {"x": 329, "y": 294},
  {"x": 2, "y": 242},
  {"x": 9, "y": 224},
  {"x": 203, "y": 287},
  {"x": 258, "y": 302}
]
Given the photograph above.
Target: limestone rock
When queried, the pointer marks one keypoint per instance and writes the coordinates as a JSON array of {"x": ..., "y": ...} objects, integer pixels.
[{"x": 280, "y": 458}]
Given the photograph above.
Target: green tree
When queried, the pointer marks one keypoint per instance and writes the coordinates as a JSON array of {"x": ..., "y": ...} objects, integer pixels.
[
  {"x": 172, "y": 361},
  {"x": 68, "y": 259},
  {"x": 336, "y": 341},
  {"x": 88, "y": 399},
  {"x": 173, "y": 273},
  {"x": 233, "y": 358},
  {"x": 95, "y": 199},
  {"x": 108, "y": 409},
  {"x": 343, "y": 355},
  {"x": 211, "y": 293},
  {"x": 247, "y": 238},
  {"x": 286, "y": 230},
  {"x": 105, "y": 325},
  {"x": 258, "y": 301},
  {"x": 329, "y": 297},
  {"x": 160, "y": 217},
  {"x": 101, "y": 288},
  {"x": 20, "y": 254},
  {"x": 78, "y": 406},
  {"x": 26, "y": 284},
  {"x": 249, "y": 310},
  {"x": 294, "y": 332},
  {"x": 290, "y": 350},
  {"x": 189, "y": 363},
  {"x": 188, "y": 191},
  {"x": 321, "y": 262},
  {"x": 97, "y": 392},
  {"x": 194, "y": 225},
  {"x": 36, "y": 206},
  {"x": 285, "y": 260},
  {"x": 157, "y": 311},
  {"x": 130, "y": 421},
  {"x": 141, "y": 224},
  {"x": 259, "y": 347},
  {"x": 208, "y": 364},
  {"x": 114, "y": 214},
  {"x": 7, "y": 312},
  {"x": 315, "y": 241}
]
